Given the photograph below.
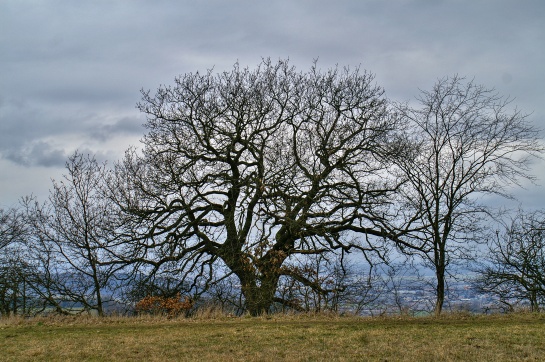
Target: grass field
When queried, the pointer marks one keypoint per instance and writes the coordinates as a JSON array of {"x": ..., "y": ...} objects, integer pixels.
[{"x": 291, "y": 338}]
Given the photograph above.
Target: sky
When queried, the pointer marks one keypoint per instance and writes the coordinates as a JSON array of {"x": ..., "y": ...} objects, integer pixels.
[{"x": 71, "y": 71}]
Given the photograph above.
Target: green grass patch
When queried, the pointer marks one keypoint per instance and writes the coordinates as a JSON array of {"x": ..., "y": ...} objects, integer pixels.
[{"x": 292, "y": 338}]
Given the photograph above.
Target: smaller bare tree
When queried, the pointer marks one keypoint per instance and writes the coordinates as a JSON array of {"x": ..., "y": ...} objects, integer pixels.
[
  {"x": 15, "y": 292},
  {"x": 71, "y": 234},
  {"x": 515, "y": 267},
  {"x": 465, "y": 141},
  {"x": 14, "y": 267}
]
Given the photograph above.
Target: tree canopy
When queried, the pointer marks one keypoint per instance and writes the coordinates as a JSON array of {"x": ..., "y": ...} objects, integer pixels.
[{"x": 253, "y": 167}]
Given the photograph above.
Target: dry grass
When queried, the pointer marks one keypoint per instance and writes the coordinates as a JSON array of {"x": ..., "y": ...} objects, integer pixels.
[{"x": 293, "y": 338}]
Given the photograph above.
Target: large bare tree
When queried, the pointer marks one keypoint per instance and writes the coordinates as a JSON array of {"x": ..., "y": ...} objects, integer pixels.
[
  {"x": 248, "y": 168},
  {"x": 465, "y": 141}
]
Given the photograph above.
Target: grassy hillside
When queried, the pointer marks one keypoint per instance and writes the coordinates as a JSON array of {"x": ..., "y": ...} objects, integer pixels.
[{"x": 293, "y": 338}]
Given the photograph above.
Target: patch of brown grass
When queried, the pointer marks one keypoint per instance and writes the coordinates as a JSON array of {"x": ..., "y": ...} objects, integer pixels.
[{"x": 278, "y": 337}]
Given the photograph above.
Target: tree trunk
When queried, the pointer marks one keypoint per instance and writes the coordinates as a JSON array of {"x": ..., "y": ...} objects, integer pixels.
[
  {"x": 24, "y": 297},
  {"x": 100, "y": 308},
  {"x": 440, "y": 291},
  {"x": 259, "y": 299},
  {"x": 440, "y": 267},
  {"x": 15, "y": 295},
  {"x": 98, "y": 293},
  {"x": 258, "y": 279},
  {"x": 259, "y": 290},
  {"x": 534, "y": 305}
]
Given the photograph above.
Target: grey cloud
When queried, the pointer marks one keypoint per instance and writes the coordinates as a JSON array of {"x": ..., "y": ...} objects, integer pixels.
[
  {"x": 23, "y": 122},
  {"x": 125, "y": 126},
  {"x": 28, "y": 130},
  {"x": 43, "y": 154},
  {"x": 37, "y": 154}
]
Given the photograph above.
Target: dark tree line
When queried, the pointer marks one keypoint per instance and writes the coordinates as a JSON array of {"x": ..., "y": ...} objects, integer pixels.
[{"x": 254, "y": 181}]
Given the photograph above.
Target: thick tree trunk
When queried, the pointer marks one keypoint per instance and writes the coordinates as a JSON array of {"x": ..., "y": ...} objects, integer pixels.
[
  {"x": 258, "y": 278},
  {"x": 259, "y": 299},
  {"x": 257, "y": 286},
  {"x": 258, "y": 291}
]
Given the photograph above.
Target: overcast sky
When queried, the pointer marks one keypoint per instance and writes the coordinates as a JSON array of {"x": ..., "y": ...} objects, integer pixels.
[{"x": 71, "y": 71}]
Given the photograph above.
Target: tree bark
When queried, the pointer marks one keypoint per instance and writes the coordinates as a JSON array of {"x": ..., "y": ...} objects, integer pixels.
[
  {"x": 440, "y": 293},
  {"x": 258, "y": 281},
  {"x": 259, "y": 299}
]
